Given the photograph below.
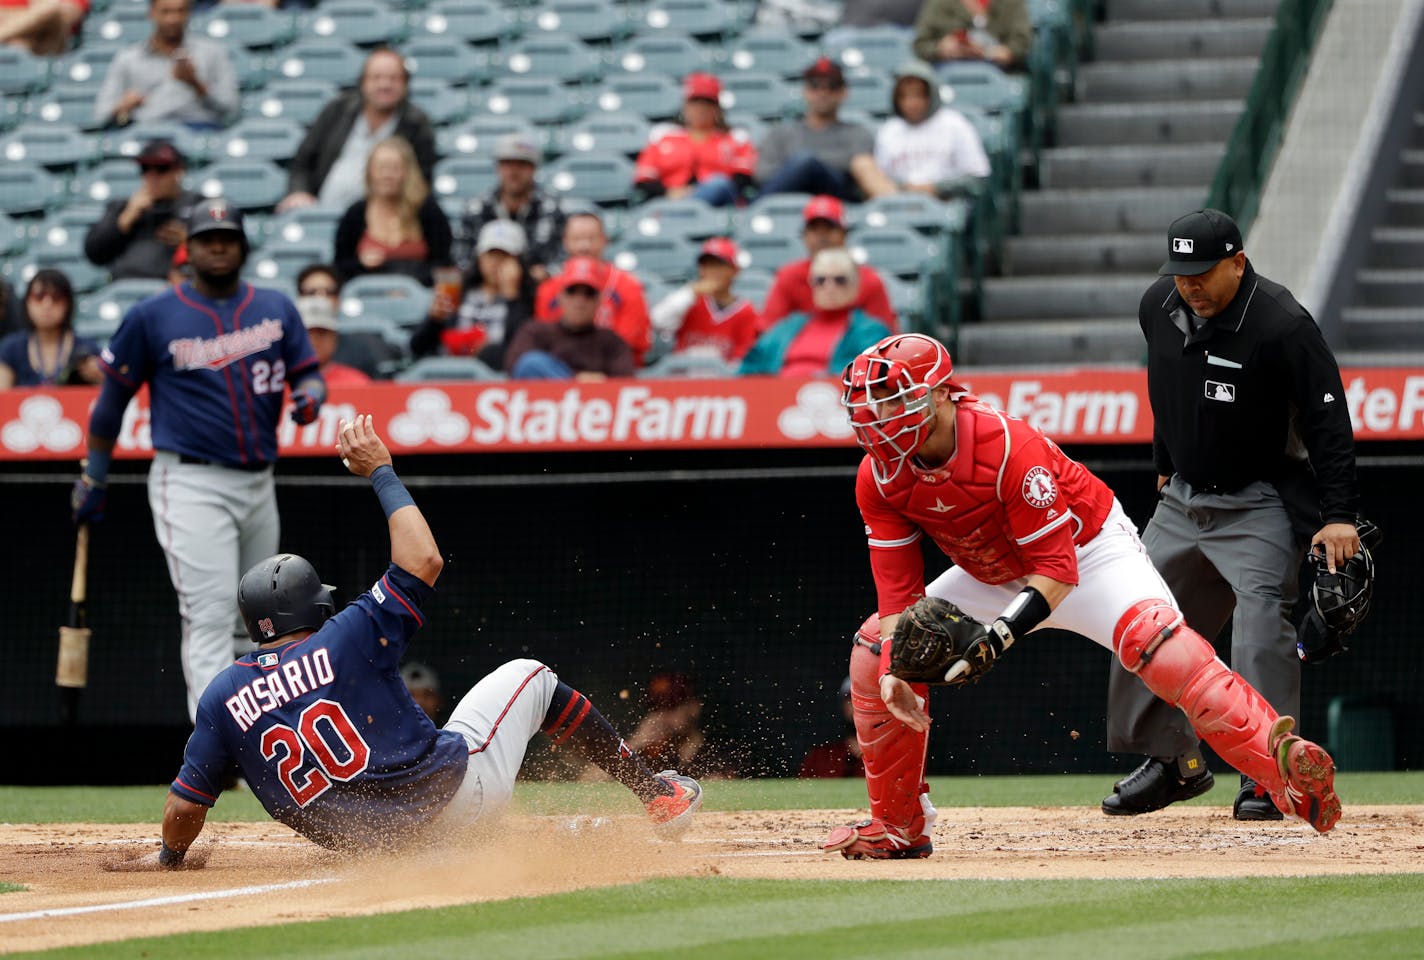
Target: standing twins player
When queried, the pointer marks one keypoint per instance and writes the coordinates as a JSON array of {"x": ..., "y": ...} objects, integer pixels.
[
  {"x": 218, "y": 355},
  {"x": 1037, "y": 541},
  {"x": 322, "y": 727}
]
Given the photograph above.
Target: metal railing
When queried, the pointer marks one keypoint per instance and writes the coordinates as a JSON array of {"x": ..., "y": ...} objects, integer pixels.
[{"x": 1257, "y": 136}]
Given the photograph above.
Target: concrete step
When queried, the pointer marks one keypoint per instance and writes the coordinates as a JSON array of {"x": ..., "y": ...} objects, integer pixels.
[
  {"x": 1411, "y": 169},
  {"x": 1159, "y": 40},
  {"x": 1063, "y": 295},
  {"x": 1135, "y": 165},
  {"x": 1389, "y": 288},
  {"x": 1139, "y": 254},
  {"x": 1396, "y": 247},
  {"x": 1189, "y": 9},
  {"x": 1130, "y": 210},
  {"x": 1051, "y": 341},
  {"x": 1187, "y": 121},
  {"x": 1200, "y": 79},
  {"x": 1405, "y": 208},
  {"x": 1396, "y": 329}
]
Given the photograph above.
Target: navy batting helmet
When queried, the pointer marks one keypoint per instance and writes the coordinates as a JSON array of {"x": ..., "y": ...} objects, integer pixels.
[
  {"x": 210, "y": 216},
  {"x": 282, "y": 595},
  {"x": 1339, "y": 601}
]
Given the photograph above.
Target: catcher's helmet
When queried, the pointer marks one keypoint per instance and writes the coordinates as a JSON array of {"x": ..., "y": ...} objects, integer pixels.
[
  {"x": 282, "y": 595},
  {"x": 887, "y": 393},
  {"x": 1339, "y": 601},
  {"x": 216, "y": 214}
]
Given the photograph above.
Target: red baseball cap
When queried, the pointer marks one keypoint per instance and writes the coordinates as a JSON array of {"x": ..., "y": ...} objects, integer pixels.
[
  {"x": 701, "y": 86},
  {"x": 825, "y": 69},
  {"x": 824, "y": 207},
  {"x": 583, "y": 272},
  {"x": 721, "y": 248}
]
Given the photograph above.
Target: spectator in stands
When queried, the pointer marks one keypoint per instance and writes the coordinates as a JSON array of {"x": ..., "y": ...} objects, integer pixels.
[
  {"x": 319, "y": 316},
  {"x": 706, "y": 316},
  {"x": 701, "y": 158},
  {"x": 574, "y": 346},
  {"x": 171, "y": 76},
  {"x": 822, "y": 341},
  {"x": 138, "y": 235},
  {"x": 825, "y": 229},
  {"x": 999, "y": 32},
  {"x": 43, "y": 27},
  {"x": 47, "y": 353},
  {"x": 517, "y": 197},
  {"x": 840, "y": 757},
  {"x": 498, "y": 300},
  {"x": 331, "y": 162},
  {"x": 925, "y": 147},
  {"x": 320, "y": 280},
  {"x": 424, "y": 685},
  {"x": 399, "y": 227},
  {"x": 622, "y": 307},
  {"x": 820, "y": 153}
]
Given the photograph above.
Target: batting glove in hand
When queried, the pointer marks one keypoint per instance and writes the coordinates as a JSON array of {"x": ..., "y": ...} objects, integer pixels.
[
  {"x": 87, "y": 499},
  {"x": 305, "y": 407}
]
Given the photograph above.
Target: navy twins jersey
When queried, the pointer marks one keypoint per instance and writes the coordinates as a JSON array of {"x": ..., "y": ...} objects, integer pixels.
[
  {"x": 217, "y": 370},
  {"x": 324, "y": 731}
]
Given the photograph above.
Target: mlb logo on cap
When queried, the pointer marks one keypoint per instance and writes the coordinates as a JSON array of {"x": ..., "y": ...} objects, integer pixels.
[
  {"x": 1199, "y": 241},
  {"x": 1182, "y": 245}
]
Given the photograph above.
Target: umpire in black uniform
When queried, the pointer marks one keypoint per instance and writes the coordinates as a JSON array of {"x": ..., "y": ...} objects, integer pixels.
[{"x": 1256, "y": 463}]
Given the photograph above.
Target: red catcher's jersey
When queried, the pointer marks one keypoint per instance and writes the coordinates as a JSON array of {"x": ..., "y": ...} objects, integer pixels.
[
  {"x": 1008, "y": 504},
  {"x": 676, "y": 159}
]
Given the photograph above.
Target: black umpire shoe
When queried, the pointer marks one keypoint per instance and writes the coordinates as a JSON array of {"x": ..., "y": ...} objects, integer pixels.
[
  {"x": 1152, "y": 786},
  {"x": 1249, "y": 806}
]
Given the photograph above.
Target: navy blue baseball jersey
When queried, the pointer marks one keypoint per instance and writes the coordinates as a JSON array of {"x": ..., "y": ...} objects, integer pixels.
[
  {"x": 217, "y": 369},
  {"x": 324, "y": 731}
]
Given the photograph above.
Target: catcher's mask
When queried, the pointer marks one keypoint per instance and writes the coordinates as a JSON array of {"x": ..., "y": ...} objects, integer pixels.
[
  {"x": 889, "y": 396},
  {"x": 282, "y": 595},
  {"x": 1339, "y": 601}
]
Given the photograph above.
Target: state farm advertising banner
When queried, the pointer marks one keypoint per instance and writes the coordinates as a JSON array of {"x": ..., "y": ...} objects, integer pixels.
[{"x": 1072, "y": 406}]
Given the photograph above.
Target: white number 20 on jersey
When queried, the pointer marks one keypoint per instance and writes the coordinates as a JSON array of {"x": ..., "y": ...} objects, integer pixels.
[{"x": 268, "y": 377}]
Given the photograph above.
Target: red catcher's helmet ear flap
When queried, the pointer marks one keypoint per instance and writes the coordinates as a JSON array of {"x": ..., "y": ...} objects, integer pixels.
[{"x": 889, "y": 396}]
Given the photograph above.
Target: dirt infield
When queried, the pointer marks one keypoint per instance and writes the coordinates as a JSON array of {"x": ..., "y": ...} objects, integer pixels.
[{"x": 71, "y": 899}]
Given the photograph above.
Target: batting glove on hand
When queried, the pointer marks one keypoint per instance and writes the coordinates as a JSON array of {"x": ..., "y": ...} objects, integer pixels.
[
  {"x": 305, "y": 407},
  {"x": 87, "y": 499}
]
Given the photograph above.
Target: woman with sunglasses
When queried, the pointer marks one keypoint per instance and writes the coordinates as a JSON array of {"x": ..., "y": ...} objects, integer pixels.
[
  {"x": 823, "y": 340},
  {"x": 48, "y": 353}
]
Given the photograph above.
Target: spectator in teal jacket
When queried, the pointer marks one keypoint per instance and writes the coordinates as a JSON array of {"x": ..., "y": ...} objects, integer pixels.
[{"x": 821, "y": 342}]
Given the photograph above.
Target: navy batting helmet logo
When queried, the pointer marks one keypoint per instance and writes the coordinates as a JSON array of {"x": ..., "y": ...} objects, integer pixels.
[{"x": 265, "y": 625}]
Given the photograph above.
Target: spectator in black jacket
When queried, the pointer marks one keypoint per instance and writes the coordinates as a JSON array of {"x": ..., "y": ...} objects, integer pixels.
[
  {"x": 136, "y": 236},
  {"x": 518, "y": 198},
  {"x": 330, "y": 162},
  {"x": 398, "y": 227}
]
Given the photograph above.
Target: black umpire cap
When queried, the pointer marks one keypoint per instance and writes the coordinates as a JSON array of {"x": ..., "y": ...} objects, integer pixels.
[{"x": 1199, "y": 241}]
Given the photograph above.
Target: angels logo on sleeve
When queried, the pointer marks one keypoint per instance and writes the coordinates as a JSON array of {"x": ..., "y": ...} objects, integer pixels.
[{"x": 1039, "y": 489}]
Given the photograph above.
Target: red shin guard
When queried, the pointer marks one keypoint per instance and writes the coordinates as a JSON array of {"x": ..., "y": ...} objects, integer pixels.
[{"x": 1153, "y": 641}]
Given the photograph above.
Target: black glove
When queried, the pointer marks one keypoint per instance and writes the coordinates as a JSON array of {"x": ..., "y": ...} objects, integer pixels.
[{"x": 934, "y": 637}]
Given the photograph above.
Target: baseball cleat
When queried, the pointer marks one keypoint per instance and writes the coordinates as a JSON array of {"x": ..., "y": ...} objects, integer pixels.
[
  {"x": 1252, "y": 803},
  {"x": 1154, "y": 785},
  {"x": 1309, "y": 777},
  {"x": 876, "y": 840},
  {"x": 672, "y": 813}
]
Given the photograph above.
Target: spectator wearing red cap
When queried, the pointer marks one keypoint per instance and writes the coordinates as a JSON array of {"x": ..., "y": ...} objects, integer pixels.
[
  {"x": 705, "y": 316},
  {"x": 824, "y": 229},
  {"x": 820, "y": 153},
  {"x": 575, "y": 346},
  {"x": 823, "y": 340},
  {"x": 622, "y": 307},
  {"x": 137, "y": 235},
  {"x": 701, "y": 158}
]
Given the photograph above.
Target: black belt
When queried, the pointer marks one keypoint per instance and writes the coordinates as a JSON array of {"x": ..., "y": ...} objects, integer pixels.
[
  {"x": 1220, "y": 488},
  {"x": 200, "y": 462}
]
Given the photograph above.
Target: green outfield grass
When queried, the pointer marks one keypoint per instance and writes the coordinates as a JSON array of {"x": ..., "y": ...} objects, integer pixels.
[{"x": 1373, "y": 916}]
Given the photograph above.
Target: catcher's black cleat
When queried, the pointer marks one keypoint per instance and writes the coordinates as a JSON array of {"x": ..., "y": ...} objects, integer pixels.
[
  {"x": 1251, "y": 805},
  {"x": 1152, "y": 786}
]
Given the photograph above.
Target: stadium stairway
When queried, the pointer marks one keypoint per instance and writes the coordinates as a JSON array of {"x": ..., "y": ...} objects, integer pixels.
[{"x": 1138, "y": 147}]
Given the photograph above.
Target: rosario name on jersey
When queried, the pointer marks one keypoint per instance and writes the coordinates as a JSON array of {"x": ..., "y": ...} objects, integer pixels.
[
  {"x": 1008, "y": 504},
  {"x": 217, "y": 368},
  {"x": 324, "y": 731}
]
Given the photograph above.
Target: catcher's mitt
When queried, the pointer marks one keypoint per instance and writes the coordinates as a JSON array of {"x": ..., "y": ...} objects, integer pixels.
[{"x": 931, "y": 637}]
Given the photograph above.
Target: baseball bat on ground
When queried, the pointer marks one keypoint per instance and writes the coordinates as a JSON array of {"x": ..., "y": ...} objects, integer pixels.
[{"x": 71, "y": 674}]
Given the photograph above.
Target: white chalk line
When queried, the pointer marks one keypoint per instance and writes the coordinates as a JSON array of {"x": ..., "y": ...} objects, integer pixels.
[{"x": 160, "y": 901}]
